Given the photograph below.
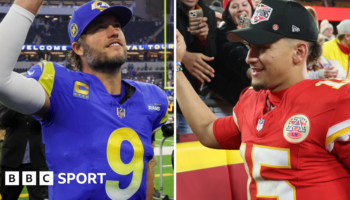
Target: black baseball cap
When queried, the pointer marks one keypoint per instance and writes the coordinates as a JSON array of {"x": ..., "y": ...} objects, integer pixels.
[{"x": 275, "y": 19}]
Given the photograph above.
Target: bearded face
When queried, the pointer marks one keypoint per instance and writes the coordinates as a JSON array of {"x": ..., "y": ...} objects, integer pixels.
[
  {"x": 102, "y": 62},
  {"x": 103, "y": 44}
]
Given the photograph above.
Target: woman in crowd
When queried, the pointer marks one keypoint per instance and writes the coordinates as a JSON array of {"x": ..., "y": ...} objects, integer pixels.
[
  {"x": 327, "y": 30},
  {"x": 232, "y": 73}
]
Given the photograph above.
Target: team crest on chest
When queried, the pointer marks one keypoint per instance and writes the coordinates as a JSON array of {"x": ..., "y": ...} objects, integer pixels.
[
  {"x": 296, "y": 128},
  {"x": 121, "y": 112},
  {"x": 260, "y": 125}
]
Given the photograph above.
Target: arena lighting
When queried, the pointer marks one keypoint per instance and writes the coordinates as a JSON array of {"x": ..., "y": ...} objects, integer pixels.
[
  {"x": 68, "y": 2},
  {"x": 46, "y": 16},
  {"x": 332, "y": 13},
  {"x": 61, "y": 56},
  {"x": 55, "y": 18},
  {"x": 116, "y": 3},
  {"x": 146, "y": 47},
  {"x": 54, "y": 2},
  {"x": 79, "y": 3},
  {"x": 162, "y": 52},
  {"x": 29, "y": 52},
  {"x": 56, "y": 53},
  {"x": 133, "y": 53}
]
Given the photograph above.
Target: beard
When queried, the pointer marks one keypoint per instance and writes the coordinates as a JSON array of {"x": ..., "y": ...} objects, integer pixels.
[
  {"x": 100, "y": 62},
  {"x": 259, "y": 86}
]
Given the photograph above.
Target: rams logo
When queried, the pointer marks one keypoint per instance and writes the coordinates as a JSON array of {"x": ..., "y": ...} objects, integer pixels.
[
  {"x": 154, "y": 107},
  {"x": 99, "y": 5},
  {"x": 73, "y": 30},
  {"x": 296, "y": 128},
  {"x": 81, "y": 90}
]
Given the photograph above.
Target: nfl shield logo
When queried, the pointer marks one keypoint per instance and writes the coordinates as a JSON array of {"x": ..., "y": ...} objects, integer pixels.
[
  {"x": 260, "y": 124},
  {"x": 121, "y": 113}
]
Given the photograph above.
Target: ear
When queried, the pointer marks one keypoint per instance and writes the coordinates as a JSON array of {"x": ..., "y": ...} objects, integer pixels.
[
  {"x": 300, "y": 53},
  {"x": 347, "y": 36},
  {"x": 78, "y": 49}
]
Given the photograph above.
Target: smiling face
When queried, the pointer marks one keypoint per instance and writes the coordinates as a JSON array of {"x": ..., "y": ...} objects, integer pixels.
[
  {"x": 190, "y": 4},
  {"x": 271, "y": 64},
  {"x": 104, "y": 45},
  {"x": 239, "y": 7}
]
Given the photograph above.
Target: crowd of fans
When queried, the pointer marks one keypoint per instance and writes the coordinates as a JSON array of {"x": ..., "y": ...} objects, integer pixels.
[
  {"x": 149, "y": 74},
  {"x": 227, "y": 59}
]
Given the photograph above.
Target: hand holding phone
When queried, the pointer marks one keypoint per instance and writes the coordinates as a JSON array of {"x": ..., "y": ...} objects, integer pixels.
[
  {"x": 244, "y": 21},
  {"x": 195, "y": 17}
]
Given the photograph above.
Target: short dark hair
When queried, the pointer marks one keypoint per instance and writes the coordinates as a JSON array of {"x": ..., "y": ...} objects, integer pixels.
[
  {"x": 314, "y": 49},
  {"x": 74, "y": 58},
  {"x": 341, "y": 36},
  {"x": 315, "y": 52}
]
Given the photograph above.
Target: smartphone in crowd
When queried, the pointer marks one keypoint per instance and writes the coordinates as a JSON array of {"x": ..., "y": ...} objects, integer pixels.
[
  {"x": 244, "y": 21},
  {"x": 195, "y": 17}
]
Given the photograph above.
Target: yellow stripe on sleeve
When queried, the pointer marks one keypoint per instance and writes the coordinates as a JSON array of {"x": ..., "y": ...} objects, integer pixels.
[
  {"x": 336, "y": 135},
  {"x": 165, "y": 118},
  {"x": 47, "y": 78},
  {"x": 41, "y": 66}
]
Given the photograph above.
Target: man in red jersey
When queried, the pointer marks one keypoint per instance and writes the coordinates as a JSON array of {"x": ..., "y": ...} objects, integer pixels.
[{"x": 292, "y": 132}]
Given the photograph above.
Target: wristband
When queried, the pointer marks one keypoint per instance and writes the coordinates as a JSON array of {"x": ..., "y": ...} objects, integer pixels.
[
  {"x": 179, "y": 69},
  {"x": 178, "y": 63}
]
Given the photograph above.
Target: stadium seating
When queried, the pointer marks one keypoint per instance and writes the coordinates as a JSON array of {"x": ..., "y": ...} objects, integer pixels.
[
  {"x": 170, "y": 35},
  {"x": 136, "y": 32}
]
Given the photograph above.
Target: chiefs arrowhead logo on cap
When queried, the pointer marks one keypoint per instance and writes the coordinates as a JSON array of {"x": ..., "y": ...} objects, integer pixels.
[{"x": 262, "y": 13}]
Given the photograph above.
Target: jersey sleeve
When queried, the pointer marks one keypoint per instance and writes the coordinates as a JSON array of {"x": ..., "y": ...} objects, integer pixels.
[
  {"x": 338, "y": 135},
  {"x": 162, "y": 116},
  {"x": 226, "y": 131},
  {"x": 44, "y": 72}
]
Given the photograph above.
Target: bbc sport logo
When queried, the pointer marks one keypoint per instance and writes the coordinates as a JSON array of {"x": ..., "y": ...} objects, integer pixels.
[{"x": 47, "y": 178}]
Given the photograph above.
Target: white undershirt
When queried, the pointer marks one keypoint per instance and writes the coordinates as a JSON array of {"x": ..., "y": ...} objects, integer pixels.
[{"x": 17, "y": 92}]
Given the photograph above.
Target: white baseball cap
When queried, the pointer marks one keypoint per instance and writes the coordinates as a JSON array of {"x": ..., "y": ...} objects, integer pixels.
[{"x": 344, "y": 27}]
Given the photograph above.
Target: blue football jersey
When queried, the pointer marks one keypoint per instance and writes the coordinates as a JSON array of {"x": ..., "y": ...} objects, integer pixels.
[{"x": 105, "y": 146}]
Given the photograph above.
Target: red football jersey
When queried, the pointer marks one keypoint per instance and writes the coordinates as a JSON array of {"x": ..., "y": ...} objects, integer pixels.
[{"x": 299, "y": 150}]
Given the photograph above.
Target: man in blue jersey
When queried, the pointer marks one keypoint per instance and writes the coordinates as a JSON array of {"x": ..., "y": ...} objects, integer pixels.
[{"x": 96, "y": 127}]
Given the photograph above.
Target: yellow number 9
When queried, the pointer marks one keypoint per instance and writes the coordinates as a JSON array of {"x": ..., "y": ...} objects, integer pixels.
[{"x": 136, "y": 164}]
